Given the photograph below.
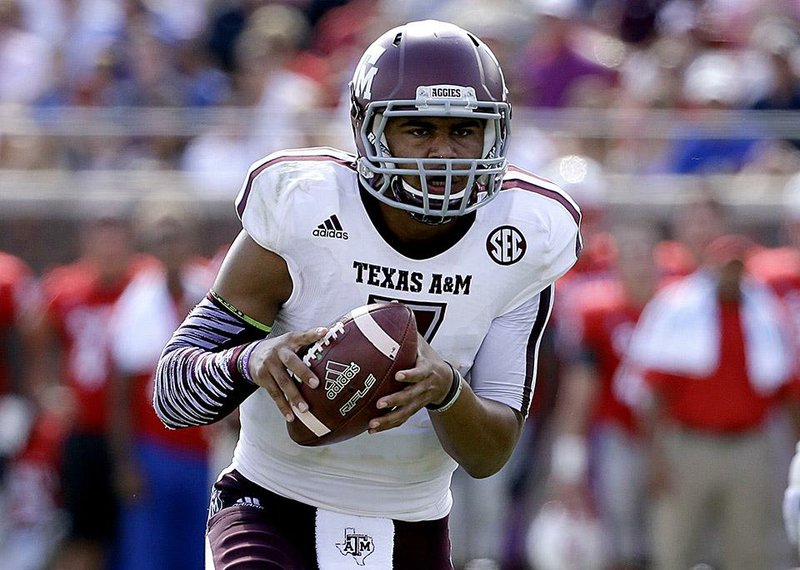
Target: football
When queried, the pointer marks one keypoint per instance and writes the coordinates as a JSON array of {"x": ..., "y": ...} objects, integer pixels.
[{"x": 355, "y": 363}]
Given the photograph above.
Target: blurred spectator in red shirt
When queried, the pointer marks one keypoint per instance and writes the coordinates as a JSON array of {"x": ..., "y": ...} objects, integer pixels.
[
  {"x": 693, "y": 225},
  {"x": 717, "y": 355},
  {"x": 19, "y": 299},
  {"x": 779, "y": 266}
]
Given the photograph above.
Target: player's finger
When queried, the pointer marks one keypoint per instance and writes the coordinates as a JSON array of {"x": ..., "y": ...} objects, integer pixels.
[
  {"x": 289, "y": 392},
  {"x": 276, "y": 393},
  {"x": 298, "y": 340},
  {"x": 422, "y": 369},
  {"x": 410, "y": 395},
  {"x": 393, "y": 419},
  {"x": 298, "y": 369},
  {"x": 411, "y": 375}
]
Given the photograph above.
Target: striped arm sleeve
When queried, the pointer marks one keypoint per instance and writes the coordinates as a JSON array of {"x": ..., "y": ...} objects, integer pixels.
[{"x": 198, "y": 380}]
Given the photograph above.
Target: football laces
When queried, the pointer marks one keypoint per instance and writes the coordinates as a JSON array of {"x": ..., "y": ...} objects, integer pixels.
[{"x": 315, "y": 351}]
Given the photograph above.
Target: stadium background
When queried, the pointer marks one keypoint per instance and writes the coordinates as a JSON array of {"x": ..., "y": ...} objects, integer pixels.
[{"x": 650, "y": 104}]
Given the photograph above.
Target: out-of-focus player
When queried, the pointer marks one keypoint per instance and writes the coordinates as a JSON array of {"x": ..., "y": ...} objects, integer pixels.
[
  {"x": 72, "y": 335},
  {"x": 162, "y": 475},
  {"x": 597, "y": 456},
  {"x": 31, "y": 524}
]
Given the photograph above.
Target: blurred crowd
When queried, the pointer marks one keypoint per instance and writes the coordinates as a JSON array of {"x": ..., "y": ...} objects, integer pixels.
[
  {"x": 666, "y": 406},
  {"x": 252, "y": 76}
]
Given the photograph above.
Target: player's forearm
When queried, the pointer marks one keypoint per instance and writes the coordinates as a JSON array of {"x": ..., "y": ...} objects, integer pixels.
[
  {"x": 199, "y": 378},
  {"x": 194, "y": 387},
  {"x": 479, "y": 434}
]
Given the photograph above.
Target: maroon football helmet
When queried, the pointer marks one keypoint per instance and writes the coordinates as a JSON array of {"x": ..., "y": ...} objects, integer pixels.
[{"x": 432, "y": 69}]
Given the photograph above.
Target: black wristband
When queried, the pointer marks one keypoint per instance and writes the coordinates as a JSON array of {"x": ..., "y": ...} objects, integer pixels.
[{"x": 452, "y": 394}]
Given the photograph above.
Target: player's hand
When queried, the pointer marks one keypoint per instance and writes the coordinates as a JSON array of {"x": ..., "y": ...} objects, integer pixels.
[
  {"x": 791, "y": 500},
  {"x": 276, "y": 367},
  {"x": 428, "y": 382}
]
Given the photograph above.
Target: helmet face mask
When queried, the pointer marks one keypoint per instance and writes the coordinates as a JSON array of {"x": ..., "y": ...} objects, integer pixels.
[{"x": 446, "y": 72}]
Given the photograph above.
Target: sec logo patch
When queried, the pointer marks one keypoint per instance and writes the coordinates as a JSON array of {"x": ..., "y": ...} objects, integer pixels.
[{"x": 506, "y": 245}]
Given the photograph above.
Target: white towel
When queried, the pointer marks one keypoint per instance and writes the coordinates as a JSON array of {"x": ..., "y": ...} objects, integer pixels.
[
  {"x": 350, "y": 542},
  {"x": 145, "y": 316},
  {"x": 678, "y": 333},
  {"x": 145, "y": 305}
]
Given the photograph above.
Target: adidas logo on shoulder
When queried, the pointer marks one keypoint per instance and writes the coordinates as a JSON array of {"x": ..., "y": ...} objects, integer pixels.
[{"x": 331, "y": 228}]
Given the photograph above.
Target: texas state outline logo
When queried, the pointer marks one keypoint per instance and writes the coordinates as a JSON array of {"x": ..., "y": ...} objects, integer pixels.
[{"x": 357, "y": 545}]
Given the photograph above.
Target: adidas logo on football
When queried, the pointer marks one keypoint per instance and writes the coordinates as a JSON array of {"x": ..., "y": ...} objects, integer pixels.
[
  {"x": 331, "y": 228},
  {"x": 337, "y": 376}
]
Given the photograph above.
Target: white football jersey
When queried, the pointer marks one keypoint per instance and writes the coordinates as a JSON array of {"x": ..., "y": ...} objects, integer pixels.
[{"x": 482, "y": 304}]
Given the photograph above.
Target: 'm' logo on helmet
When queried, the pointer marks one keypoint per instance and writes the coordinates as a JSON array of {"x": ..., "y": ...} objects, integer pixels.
[{"x": 365, "y": 74}]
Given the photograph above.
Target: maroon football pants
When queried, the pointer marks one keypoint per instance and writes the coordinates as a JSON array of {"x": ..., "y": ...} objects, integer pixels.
[{"x": 250, "y": 528}]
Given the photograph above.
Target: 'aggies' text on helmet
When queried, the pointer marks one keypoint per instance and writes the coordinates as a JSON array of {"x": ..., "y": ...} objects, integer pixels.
[{"x": 429, "y": 69}]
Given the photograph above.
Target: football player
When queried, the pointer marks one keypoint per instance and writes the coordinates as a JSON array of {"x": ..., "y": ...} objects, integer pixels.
[
  {"x": 18, "y": 298},
  {"x": 597, "y": 460},
  {"x": 71, "y": 336},
  {"x": 428, "y": 213}
]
